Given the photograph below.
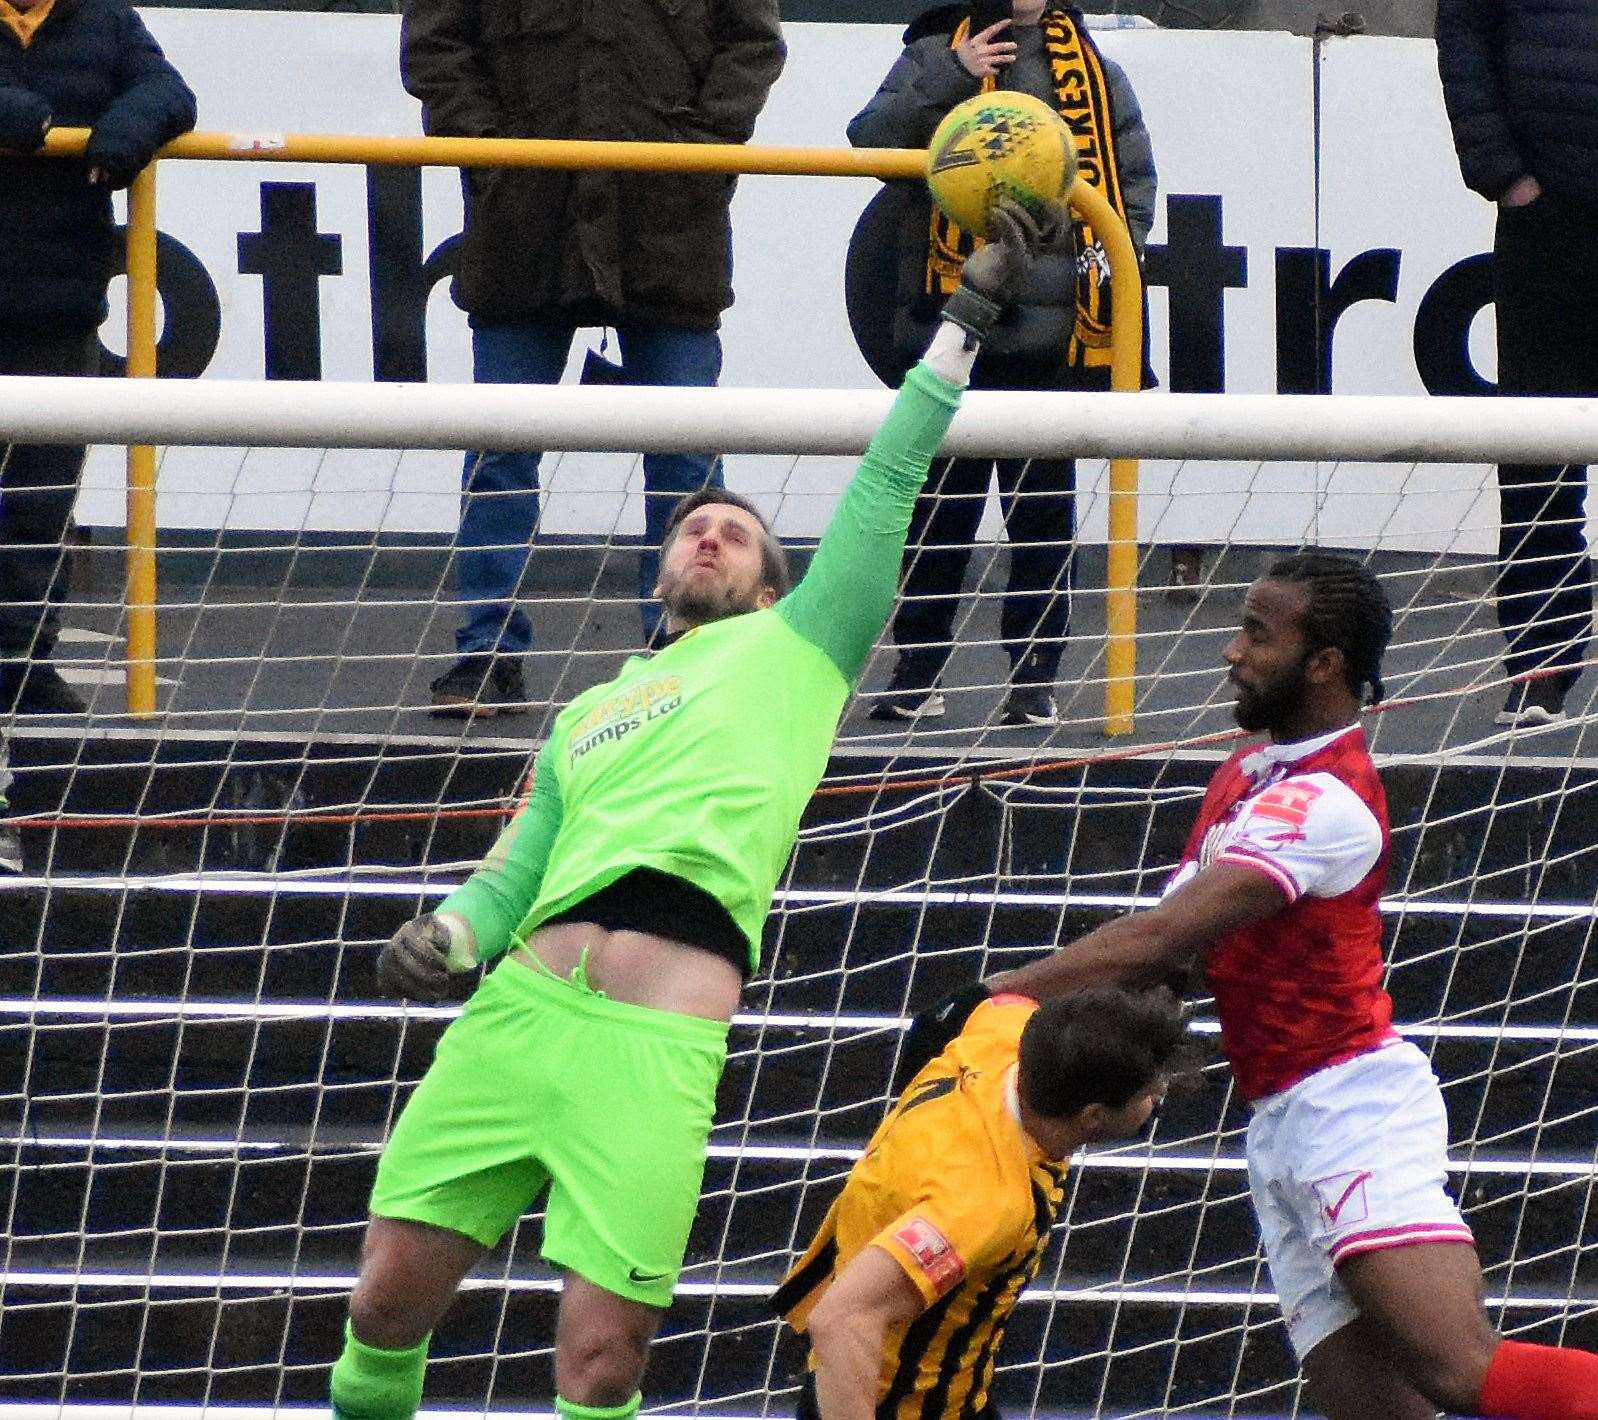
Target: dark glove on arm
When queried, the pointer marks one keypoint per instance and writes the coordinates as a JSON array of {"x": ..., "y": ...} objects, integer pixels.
[
  {"x": 932, "y": 1030},
  {"x": 992, "y": 274},
  {"x": 24, "y": 119},
  {"x": 415, "y": 961},
  {"x": 115, "y": 161}
]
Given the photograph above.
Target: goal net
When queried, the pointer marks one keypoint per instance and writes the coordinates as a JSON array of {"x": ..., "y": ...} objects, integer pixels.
[{"x": 198, "y": 1071}]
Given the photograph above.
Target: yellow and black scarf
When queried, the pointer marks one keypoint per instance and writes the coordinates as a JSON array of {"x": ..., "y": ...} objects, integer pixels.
[
  {"x": 24, "y": 23},
  {"x": 1082, "y": 94}
]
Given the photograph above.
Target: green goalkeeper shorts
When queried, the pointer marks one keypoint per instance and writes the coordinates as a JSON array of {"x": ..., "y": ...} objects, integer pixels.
[{"x": 545, "y": 1081}]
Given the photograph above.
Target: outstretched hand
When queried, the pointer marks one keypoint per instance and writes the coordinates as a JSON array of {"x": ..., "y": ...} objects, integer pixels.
[
  {"x": 992, "y": 274},
  {"x": 1017, "y": 234}
]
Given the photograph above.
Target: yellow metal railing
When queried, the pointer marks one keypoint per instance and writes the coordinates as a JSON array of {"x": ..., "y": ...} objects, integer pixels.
[
  {"x": 1126, "y": 333},
  {"x": 141, "y": 457}
]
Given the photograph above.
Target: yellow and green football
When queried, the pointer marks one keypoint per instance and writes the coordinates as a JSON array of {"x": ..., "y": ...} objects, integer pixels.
[{"x": 999, "y": 144}]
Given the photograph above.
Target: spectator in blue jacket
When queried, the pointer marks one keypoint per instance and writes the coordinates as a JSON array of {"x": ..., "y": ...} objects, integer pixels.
[
  {"x": 1520, "y": 79},
  {"x": 1056, "y": 336},
  {"x": 72, "y": 64}
]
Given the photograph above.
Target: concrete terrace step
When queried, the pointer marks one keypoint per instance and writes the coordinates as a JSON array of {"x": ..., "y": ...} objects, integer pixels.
[
  {"x": 269, "y": 1335},
  {"x": 224, "y": 1065},
  {"x": 253, "y": 1330},
  {"x": 1462, "y": 955},
  {"x": 208, "y": 1012},
  {"x": 1518, "y": 827},
  {"x": 1172, "y": 1213}
]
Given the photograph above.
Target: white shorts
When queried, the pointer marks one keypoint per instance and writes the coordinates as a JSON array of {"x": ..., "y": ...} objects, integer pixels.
[{"x": 1352, "y": 1159}]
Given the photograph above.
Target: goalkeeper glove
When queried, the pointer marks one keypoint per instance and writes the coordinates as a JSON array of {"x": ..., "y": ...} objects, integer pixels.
[
  {"x": 415, "y": 961},
  {"x": 932, "y": 1030},
  {"x": 993, "y": 272}
]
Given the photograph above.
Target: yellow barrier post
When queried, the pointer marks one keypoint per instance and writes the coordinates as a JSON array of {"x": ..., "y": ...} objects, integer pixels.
[
  {"x": 141, "y": 457},
  {"x": 1126, "y": 374}
]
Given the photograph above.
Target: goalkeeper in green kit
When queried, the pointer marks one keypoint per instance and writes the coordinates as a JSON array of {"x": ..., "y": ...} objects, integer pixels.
[{"x": 627, "y": 899}]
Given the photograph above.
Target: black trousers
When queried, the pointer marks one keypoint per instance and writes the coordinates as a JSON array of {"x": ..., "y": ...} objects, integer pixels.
[
  {"x": 1546, "y": 263},
  {"x": 1038, "y": 500},
  {"x": 38, "y": 486}
]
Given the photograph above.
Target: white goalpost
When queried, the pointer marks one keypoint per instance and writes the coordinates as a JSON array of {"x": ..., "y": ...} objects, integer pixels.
[
  {"x": 197, "y": 1071},
  {"x": 287, "y": 414}
]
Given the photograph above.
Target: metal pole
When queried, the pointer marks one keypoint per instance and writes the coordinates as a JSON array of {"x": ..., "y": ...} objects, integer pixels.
[
  {"x": 141, "y": 457},
  {"x": 1126, "y": 375},
  {"x": 528, "y": 153}
]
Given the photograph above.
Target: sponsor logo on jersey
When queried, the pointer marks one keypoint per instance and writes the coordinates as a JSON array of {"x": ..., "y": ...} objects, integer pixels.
[
  {"x": 616, "y": 716},
  {"x": 934, "y": 1254},
  {"x": 1341, "y": 1197},
  {"x": 1288, "y": 803},
  {"x": 1272, "y": 819}
]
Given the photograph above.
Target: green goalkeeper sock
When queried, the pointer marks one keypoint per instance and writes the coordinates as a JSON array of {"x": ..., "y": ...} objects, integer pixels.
[
  {"x": 371, "y": 1383},
  {"x": 571, "y": 1410}
]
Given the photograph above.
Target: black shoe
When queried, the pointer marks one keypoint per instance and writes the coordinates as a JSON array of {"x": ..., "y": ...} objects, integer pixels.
[
  {"x": 1187, "y": 576},
  {"x": 1536, "y": 702},
  {"x": 909, "y": 705},
  {"x": 1029, "y": 705},
  {"x": 911, "y": 694},
  {"x": 36, "y": 688},
  {"x": 480, "y": 686}
]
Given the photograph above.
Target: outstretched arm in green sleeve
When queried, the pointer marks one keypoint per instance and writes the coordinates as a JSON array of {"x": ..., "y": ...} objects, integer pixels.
[
  {"x": 845, "y": 598},
  {"x": 492, "y": 903}
]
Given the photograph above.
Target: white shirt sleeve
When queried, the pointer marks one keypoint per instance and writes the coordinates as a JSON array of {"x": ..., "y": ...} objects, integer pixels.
[{"x": 1310, "y": 832}]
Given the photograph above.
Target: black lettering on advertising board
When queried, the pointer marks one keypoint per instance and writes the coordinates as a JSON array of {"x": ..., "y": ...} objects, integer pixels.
[{"x": 1195, "y": 264}]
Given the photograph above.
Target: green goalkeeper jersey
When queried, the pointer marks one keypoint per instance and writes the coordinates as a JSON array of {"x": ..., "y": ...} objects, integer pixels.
[{"x": 698, "y": 760}]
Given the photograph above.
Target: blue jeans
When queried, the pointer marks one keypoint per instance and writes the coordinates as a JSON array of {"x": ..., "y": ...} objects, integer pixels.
[{"x": 499, "y": 491}]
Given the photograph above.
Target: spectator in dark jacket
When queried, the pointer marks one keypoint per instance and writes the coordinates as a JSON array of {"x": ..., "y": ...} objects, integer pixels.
[
  {"x": 1520, "y": 79},
  {"x": 1057, "y": 337},
  {"x": 74, "y": 64},
  {"x": 544, "y": 253}
]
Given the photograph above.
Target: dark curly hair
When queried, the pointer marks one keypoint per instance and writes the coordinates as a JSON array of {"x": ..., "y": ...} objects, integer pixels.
[{"x": 1348, "y": 610}]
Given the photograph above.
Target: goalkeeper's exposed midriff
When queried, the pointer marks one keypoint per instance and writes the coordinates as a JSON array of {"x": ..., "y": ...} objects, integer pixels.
[{"x": 643, "y": 968}]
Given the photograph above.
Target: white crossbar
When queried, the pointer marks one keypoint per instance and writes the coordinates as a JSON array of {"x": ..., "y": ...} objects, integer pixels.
[{"x": 239, "y": 413}]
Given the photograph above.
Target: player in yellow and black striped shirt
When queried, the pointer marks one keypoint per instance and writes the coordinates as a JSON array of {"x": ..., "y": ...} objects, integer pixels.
[{"x": 908, "y": 1284}]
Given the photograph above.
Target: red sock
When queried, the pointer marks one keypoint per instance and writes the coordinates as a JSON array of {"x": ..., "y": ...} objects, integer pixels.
[{"x": 1540, "y": 1383}]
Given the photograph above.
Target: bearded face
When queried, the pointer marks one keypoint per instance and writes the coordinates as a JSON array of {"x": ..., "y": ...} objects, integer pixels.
[
  {"x": 713, "y": 566},
  {"x": 700, "y": 594},
  {"x": 1272, "y": 699},
  {"x": 1268, "y": 659}
]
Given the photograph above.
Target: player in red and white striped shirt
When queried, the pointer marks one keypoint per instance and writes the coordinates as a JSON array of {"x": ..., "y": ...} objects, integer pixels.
[{"x": 1277, "y": 898}]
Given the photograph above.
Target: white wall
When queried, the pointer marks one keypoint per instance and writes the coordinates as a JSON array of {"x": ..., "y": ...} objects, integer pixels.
[{"x": 1230, "y": 115}]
